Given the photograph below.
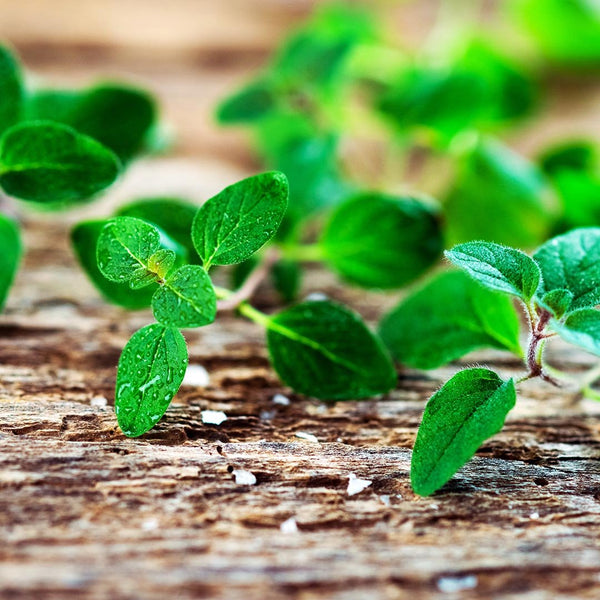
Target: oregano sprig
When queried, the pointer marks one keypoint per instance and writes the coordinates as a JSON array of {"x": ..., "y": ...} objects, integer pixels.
[
  {"x": 319, "y": 348},
  {"x": 558, "y": 287}
]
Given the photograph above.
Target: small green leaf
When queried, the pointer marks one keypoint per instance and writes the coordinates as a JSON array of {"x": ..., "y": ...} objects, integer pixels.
[
  {"x": 10, "y": 255},
  {"x": 581, "y": 328},
  {"x": 324, "y": 350},
  {"x": 141, "y": 278},
  {"x": 238, "y": 221},
  {"x": 572, "y": 262},
  {"x": 447, "y": 318},
  {"x": 252, "y": 103},
  {"x": 11, "y": 99},
  {"x": 84, "y": 238},
  {"x": 187, "y": 299},
  {"x": 558, "y": 302},
  {"x": 498, "y": 197},
  {"x": 579, "y": 193},
  {"x": 498, "y": 267},
  {"x": 287, "y": 276},
  {"x": 51, "y": 163},
  {"x": 125, "y": 245},
  {"x": 151, "y": 369},
  {"x": 117, "y": 116},
  {"x": 171, "y": 215},
  {"x": 469, "y": 409},
  {"x": 405, "y": 242},
  {"x": 161, "y": 262}
]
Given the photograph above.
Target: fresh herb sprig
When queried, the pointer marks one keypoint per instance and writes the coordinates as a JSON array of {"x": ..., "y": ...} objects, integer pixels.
[
  {"x": 558, "y": 287},
  {"x": 319, "y": 348}
]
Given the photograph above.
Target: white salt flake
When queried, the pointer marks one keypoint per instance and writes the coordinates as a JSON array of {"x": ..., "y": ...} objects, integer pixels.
[
  {"x": 99, "y": 401},
  {"x": 213, "y": 417},
  {"x": 243, "y": 477},
  {"x": 356, "y": 485},
  {"x": 281, "y": 399},
  {"x": 309, "y": 437},
  {"x": 317, "y": 297},
  {"x": 196, "y": 376},
  {"x": 289, "y": 526},
  {"x": 150, "y": 524},
  {"x": 534, "y": 515},
  {"x": 451, "y": 585},
  {"x": 385, "y": 499}
]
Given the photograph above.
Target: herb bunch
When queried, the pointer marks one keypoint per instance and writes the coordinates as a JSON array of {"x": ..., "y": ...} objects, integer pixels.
[
  {"x": 319, "y": 348},
  {"x": 559, "y": 290}
]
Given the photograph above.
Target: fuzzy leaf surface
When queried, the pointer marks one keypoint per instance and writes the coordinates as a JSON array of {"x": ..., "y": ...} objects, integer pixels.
[
  {"x": 466, "y": 411},
  {"x": 405, "y": 242},
  {"x": 151, "y": 369},
  {"x": 238, "y": 221},
  {"x": 449, "y": 317},
  {"x": 50, "y": 163},
  {"x": 322, "y": 349},
  {"x": 581, "y": 328},
  {"x": 572, "y": 262},
  {"x": 187, "y": 299},
  {"x": 498, "y": 267}
]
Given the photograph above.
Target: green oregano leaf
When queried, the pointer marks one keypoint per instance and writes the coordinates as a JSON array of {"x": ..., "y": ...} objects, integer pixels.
[
  {"x": 186, "y": 299},
  {"x": 84, "y": 238},
  {"x": 11, "y": 99},
  {"x": 572, "y": 262},
  {"x": 322, "y": 349},
  {"x": 151, "y": 369},
  {"x": 161, "y": 262},
  {"x": 406, "y": 240},
  {"x": 558, "y": 302},
  {"x": 498, "y": 267},
  {"x": 51, "y": 163},
  {"x": 126, "y": 244},
  {"x": 581, "y": 328},
  {"x": 238, "y": 221},
  {"x": 467, "y": 410},
  {"x": 119, "y": 117},
  {"x": 171, "y": 215},
  {"x": 447, "y": 318},
  {"x": 10, "y": 255},
  {"x": 574, "y": 155}
]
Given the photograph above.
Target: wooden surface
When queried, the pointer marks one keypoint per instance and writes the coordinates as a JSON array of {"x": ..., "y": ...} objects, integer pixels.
[{"x": 87, "y": 514}]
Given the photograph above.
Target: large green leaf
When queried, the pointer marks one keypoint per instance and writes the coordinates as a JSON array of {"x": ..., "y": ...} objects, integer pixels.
[
  {"x": 381, "y": 241},
  {"x": 447, "y": 318},
  {"x": 572, "y": 262},
  {"x": 50, "y": 163},
  {"x": 498, "y": 267},
  {"x": 497, "y": 197},
  {"x": 186, "y": 299},
  {"x": 119, "y": 117},
  {"x": 84, "y": 238},
  {"x": 238, "y": 221},
  {"x": 323, "y": 349},
  {"x": 581, "y": 328},
  {"x": 11, "y": 98},
  {"x": 466, "y": 411},
  {"x": 10, "y": 255},
  {"x": 151, "y": 369}
]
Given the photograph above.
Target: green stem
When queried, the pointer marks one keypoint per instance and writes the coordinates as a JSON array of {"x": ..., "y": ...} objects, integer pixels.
[
  {"x": 254, "y": 315},
  {"x": 303, "y": 253}
]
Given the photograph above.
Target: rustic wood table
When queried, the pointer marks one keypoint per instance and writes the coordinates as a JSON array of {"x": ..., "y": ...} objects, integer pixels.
[{"x": 86, "y": 513}]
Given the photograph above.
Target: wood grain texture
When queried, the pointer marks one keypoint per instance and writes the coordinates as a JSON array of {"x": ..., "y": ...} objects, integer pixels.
[{"x": 87, "y": 514}]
